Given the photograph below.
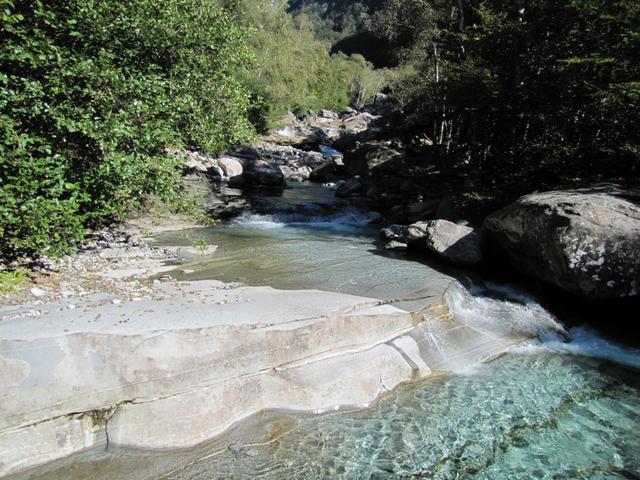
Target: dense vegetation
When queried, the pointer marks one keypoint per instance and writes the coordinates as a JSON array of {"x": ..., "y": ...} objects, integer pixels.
[
  {"x": 347, "y": 25},
  {"x": 294, "y": 70},
  {"x": 523, "y": 93},
  {"x": 334, "y": 20},
  {"x": 93, "y": 91},
  {"x": 91, "y": 94}
]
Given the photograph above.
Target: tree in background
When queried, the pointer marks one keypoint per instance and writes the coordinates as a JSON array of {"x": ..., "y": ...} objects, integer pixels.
[
  {"x": 334, "y": 20},
  {"x": 294, "y": 71},
  {"x": 535, "y": 92}
]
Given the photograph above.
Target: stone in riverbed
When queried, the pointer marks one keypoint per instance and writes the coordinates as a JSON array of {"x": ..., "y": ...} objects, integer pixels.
[
  {"x": 330, "y": 114},
  {"x": 231, "y": 166},
  {"x": 422, "y": 210},
  {"x": 351, "y": 188},
  {"x": 457, "y": 244},
  {"x": 325, "y": 172},
  {"x": 372, "y": 157},
  {"x": 395, "y": 245},
  {"x": 585, "y": 242},
  {"x": 397, "y": 233},
  {"x": 258, "y": 172}
]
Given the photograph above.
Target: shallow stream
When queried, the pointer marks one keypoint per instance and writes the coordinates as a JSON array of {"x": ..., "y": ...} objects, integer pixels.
[{"x": 566, "y": 405}]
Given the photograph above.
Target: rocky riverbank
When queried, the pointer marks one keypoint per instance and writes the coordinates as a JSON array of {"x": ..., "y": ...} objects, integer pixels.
[
  {"x": 115, "y": 352},
  {"x": 107, "y": 348},
  {"x": 585, "y": 241}
]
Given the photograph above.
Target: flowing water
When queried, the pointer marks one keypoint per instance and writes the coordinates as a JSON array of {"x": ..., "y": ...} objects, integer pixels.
[{"x": 564, "y": 405}]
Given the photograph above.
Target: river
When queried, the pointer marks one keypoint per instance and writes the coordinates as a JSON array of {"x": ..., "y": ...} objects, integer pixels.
[{"x": 565, "y": 405}]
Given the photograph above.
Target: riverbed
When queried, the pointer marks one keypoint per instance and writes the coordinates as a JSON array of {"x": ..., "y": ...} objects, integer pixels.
[{"x": 563, "y": 405}]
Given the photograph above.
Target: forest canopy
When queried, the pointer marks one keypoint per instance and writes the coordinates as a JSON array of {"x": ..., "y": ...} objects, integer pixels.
[
  {"x": 524, "y": 94},
  {"x": 539, "y": 92}
]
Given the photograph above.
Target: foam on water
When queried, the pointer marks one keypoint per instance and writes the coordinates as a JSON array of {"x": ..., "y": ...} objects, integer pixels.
[
  {"x": 506, "y": 310},
  {"x": 502, "y": 310},
  {"x": 586, "y": 342},
  {"x": 347, "y": 220}
]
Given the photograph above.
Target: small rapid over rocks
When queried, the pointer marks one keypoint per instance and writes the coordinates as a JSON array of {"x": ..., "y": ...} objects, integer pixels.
[
  {"x": 348, "y": 220},
  {"x": 562, "y": 404}
]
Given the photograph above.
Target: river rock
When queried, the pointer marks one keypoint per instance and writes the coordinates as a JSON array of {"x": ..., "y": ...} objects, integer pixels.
[
  {"x": 325, "y": 172},
  {"x": 396, "y": 233},
  {"x": 422, "y": 210},
  {"x": 395, "y": 245},
  {"x": 258, "y": 172},
  {"x": 372, "y": 156},
  {"x": 585, "y": 242},
  {"x": 456, "y": 244},
  {"x": 350, "y": 188},
  {"x": 382, "y": 105},
  {"x": 330, "y": 114},
  {"x": 231, "y": 167}
]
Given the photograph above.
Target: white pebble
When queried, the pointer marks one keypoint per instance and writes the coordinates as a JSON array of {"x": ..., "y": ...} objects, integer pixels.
[{"x": 37, "y": 292}]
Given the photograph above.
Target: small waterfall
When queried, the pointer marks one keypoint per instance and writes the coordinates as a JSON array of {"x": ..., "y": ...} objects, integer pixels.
[
  {"x": 502, "y": 311},
  {"x": 506, "y": 312}
]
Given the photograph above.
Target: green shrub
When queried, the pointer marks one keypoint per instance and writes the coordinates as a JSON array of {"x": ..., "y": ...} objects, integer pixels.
[
  {"x": 91, "y": 93},
  {"x": 12, "y": 282}
]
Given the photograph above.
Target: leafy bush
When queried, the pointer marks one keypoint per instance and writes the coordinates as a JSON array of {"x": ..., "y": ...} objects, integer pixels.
[{"x": 91, "y": 93}]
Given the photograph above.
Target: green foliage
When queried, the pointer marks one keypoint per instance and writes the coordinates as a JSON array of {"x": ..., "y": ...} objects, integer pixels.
[
  {"x": 91, "y": 93},
  {"x": 294, "y": 71},
  {"x": 546, "y": 90},
  {"x": 11, "y": 282},
  {"x": 334, "y": 20}
]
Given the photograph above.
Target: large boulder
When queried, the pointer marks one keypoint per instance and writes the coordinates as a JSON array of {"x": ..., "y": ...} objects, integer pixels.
[
  {"x": 372, "y": 157},
  {"x": 585, "y": 242},
  {"x": 456, "y": 244},
  {"x": 258, "y": 172}
]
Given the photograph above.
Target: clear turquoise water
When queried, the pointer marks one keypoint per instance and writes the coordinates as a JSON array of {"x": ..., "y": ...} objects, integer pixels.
[
  {"x": 539, "y": 415},
  {"x": 557, "y": 408},
  {"x": 530, "y": 414}
]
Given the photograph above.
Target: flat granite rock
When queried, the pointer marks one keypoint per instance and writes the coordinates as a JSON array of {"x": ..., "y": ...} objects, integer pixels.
[{"x": 179, "y": 369}]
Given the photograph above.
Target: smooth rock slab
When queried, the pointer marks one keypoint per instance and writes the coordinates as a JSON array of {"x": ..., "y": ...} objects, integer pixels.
[
  {"x": 204, "y": 354},
  {"x": 176, "y": 370}
]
